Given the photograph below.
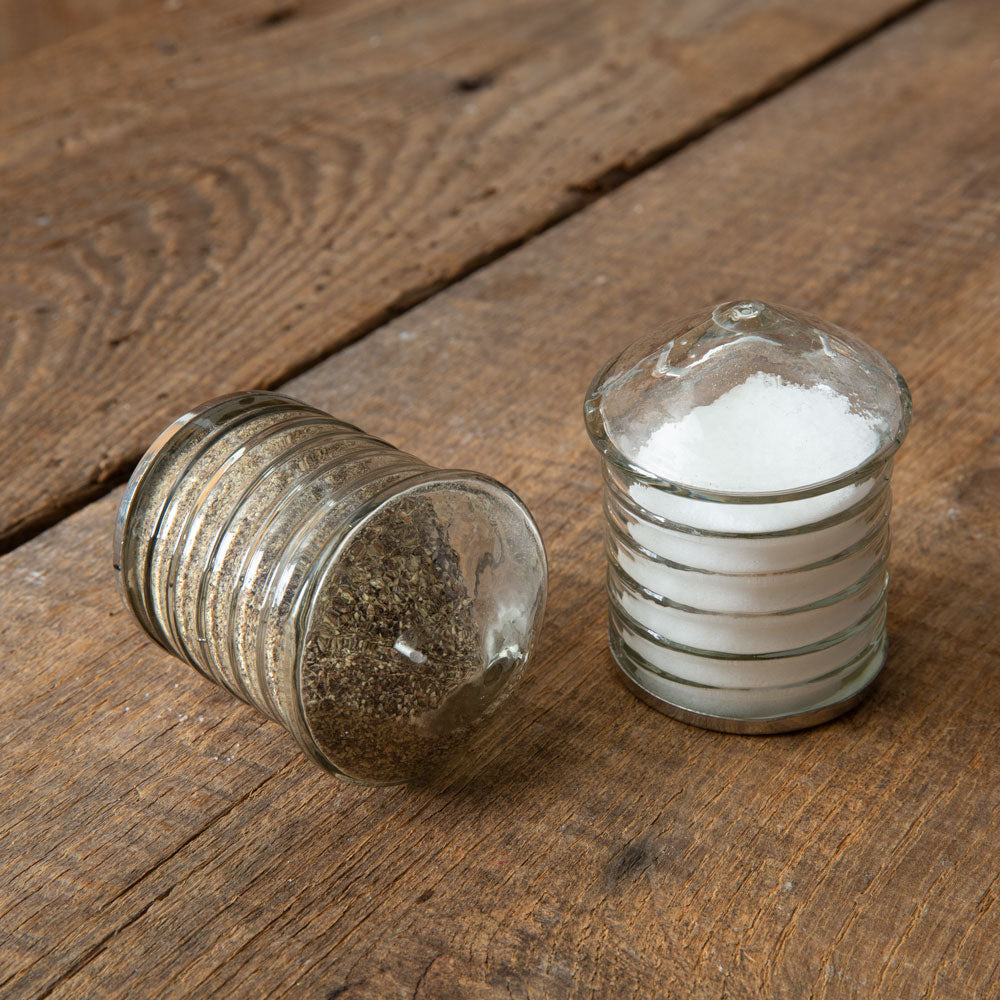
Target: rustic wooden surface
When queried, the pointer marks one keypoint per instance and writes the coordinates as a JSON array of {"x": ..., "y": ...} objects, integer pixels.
[
  {"x": 26, "y": 25},
  {"x": 215, "y": 195},
  {"x": 161, "y": 841}
]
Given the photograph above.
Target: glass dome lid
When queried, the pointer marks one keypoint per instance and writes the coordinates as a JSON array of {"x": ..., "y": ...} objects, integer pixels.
[{"x": 748, "y": 402}]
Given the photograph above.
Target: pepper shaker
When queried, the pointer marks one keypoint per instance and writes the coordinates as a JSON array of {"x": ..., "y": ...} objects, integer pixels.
[{"x": 377, "y": 608}]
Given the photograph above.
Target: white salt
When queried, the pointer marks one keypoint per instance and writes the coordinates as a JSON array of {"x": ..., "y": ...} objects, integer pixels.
[
  {"x": 763, "y": 436},
  {"x": 771, "y": 581}
]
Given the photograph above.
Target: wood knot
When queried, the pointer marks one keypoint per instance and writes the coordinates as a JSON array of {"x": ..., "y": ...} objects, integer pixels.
[
  {"x": 277, "y": 16},
  {"x": 470, "y": 84},
  {"x": 631, "y": 861}
]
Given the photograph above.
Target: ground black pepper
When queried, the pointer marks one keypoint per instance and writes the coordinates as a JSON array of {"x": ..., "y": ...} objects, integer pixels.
[
  {"x": 393, "y": 675},
  {"x": 377, "y": 608}
]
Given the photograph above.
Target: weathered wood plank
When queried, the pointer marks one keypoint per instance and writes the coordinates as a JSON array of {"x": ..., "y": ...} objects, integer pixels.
[
  {"x": 26, "y": 25},
  {"x": 217, "y": 195},
  {"x": 173, "y": 845}
]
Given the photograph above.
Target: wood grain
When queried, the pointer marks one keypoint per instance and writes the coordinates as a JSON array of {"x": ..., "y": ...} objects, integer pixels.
[
  {"x": 26, "y": 25},
  {"x": 160, "y": 840},
  {"x": 216, "y": 195}
]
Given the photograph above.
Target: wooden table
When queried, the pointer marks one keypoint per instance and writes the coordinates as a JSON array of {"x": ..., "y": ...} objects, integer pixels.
[{"x": 437, "y": 219}]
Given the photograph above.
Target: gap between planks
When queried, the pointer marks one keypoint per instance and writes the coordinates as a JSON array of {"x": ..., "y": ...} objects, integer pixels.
[{"x": 578, "y": 196}]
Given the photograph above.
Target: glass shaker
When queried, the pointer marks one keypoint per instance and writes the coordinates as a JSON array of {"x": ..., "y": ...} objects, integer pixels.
[
  {"x": 377, "y": 608},
  {"x": 747, "y": 454}
]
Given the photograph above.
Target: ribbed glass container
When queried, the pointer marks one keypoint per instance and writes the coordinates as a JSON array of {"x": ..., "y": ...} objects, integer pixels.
[
  {"x": 747, "y": 612},
  {"x": 377, "y": 608}
]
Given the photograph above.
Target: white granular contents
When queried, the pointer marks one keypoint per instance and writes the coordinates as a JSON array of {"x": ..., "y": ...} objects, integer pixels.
[{"x": 763, "y": 436}]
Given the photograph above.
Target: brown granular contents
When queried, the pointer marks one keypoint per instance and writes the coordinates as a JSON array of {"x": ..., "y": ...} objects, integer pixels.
[
  {"x": 171, "y": 530},
  {"x": 392, "y": 676},
  {"x": 266, "y": 598},
  {"x": 198, "y": 580},
  {"x": 330, "y": 580}
]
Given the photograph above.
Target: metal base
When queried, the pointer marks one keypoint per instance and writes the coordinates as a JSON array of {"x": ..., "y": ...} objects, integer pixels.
[{"x": 747, "y": 727}]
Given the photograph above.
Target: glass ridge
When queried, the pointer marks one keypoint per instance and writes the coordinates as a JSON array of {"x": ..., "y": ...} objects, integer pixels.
[{"x": 785, "y": 606}]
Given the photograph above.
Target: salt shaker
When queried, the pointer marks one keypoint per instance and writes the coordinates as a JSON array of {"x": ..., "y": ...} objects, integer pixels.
[
  {"x": 377, "y": 608},
  {"x": 747, "y": 455}
]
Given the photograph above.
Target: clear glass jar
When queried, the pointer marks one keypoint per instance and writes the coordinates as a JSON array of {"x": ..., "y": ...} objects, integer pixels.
[
  {"x": 377, "y": 608},
  {"x": 747, "y": 460}
]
